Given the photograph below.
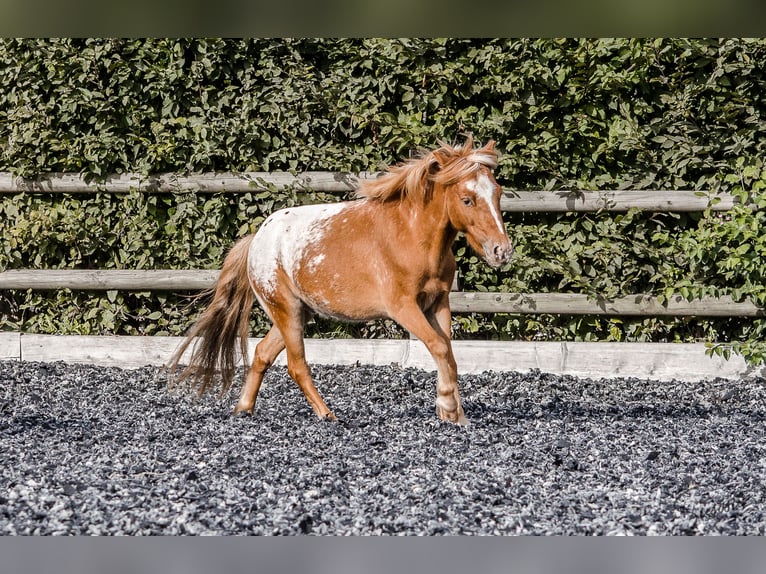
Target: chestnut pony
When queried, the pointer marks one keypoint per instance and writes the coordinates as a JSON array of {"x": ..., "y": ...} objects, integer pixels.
[{"x": 386, "y": 254}]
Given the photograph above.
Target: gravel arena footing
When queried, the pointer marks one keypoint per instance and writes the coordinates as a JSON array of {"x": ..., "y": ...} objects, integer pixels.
[{"x": 98, "y": 450}]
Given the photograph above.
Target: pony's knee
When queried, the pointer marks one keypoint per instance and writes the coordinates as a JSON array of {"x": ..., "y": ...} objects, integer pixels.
[
  {"x": 440, "y": 349},
  {"x": 261, "y": 362}
]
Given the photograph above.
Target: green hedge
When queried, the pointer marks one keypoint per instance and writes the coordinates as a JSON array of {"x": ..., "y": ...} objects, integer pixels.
[{"x": 566, "y": 113}]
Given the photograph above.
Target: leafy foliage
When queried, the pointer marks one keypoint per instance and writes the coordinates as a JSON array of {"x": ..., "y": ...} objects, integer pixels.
[{"x": 566, "y": 113}]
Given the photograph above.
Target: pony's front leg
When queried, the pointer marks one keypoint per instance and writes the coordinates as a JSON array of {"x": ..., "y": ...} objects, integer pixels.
[
  {"x": 448, "y": 403},
  {"x": 433, "y": 330}
]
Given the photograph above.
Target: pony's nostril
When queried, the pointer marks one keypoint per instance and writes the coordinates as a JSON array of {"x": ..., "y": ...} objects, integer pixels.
[
  {"x": 498, "y": 254},
  {"x": 503, "y": 253}
]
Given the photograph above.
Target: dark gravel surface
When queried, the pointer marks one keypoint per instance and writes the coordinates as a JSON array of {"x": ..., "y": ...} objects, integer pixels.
[{"x": 94, "y": 450}]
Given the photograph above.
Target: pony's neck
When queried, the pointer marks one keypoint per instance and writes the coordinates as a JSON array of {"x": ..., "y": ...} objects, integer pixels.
[{"x": 429, "y": 225}]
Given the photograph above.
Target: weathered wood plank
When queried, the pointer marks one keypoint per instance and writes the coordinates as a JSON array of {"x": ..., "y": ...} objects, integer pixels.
[
  {"x": 343, "y": 182},
  {"x": 332, "y": 182},
  {"x": 461, "y": 302},
  {"x": 614, "y": 201},
  {"x": 352, "y": 351},
  {"x": 658, "y": 361},
  {"x": 107, "y": 279},
  {"x": 577, "y": 304},
  {"x": 134, "y": 351},
  {"x": 10, "y": 346},
  {"x": 127, "y": 352}
]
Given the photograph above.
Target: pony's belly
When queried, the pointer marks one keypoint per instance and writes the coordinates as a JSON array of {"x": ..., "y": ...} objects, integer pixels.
[{"x": 342, "y": 307}]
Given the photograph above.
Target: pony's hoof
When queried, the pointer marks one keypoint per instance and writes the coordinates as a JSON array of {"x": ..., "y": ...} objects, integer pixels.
[
  {"x": 240, "y": 412},
  {"x": 455, "y": 417},
  {"x": 329, "y": 416}
]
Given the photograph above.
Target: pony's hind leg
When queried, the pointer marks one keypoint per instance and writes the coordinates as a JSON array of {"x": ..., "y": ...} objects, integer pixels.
[
  {"x": 265, "y": 354},
  {"x": 291, "y": 323}
]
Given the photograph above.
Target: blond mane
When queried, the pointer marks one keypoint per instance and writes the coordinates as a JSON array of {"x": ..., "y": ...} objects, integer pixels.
[{"x": 415, "y": 178}]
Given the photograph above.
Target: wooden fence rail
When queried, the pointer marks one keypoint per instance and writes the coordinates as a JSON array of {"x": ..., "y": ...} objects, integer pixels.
[
  {"x": 460, "y": 301},
  {"x": 337, "y": 182},
  {"x": 475, "y": 302}
]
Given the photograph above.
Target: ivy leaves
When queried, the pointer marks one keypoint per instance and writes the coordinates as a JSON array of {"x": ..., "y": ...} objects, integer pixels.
[{"x": 568, "y": 113}]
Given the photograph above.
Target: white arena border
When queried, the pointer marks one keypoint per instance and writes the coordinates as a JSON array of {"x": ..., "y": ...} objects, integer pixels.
[{"x": 655, "y": 361}]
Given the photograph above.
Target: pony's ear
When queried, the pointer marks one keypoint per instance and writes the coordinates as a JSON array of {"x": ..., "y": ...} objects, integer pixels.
[
  {"x": 440, "y": 158},
  {"x": 490, "y": 146}
]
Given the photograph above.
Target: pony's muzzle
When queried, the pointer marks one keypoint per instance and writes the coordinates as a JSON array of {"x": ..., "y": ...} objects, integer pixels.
[{"x": 497, "y": 254}]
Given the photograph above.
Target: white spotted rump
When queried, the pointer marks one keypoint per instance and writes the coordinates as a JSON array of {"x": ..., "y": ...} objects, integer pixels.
[{"x": 281, "y": 242}]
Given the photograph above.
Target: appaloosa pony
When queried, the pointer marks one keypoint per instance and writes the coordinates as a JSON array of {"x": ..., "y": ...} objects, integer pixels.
[{"x": 386, "y": 254}]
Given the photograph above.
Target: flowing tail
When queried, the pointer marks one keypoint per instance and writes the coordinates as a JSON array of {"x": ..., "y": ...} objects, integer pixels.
[{"x": 215, "y": 334}]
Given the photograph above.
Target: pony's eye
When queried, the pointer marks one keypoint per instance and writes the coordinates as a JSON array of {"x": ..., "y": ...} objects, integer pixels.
[{"x": 467, "y": 201}]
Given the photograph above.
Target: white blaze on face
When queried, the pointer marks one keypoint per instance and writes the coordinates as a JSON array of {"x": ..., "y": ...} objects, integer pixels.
[
  {"x": 484, "y": 189},
  {"x": 282, "y": 240}
]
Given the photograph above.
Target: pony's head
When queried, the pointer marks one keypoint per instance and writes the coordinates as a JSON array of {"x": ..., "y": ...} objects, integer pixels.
[
  {"x": 471, "y": 193},
  {"x": 473, "y": 198}
]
